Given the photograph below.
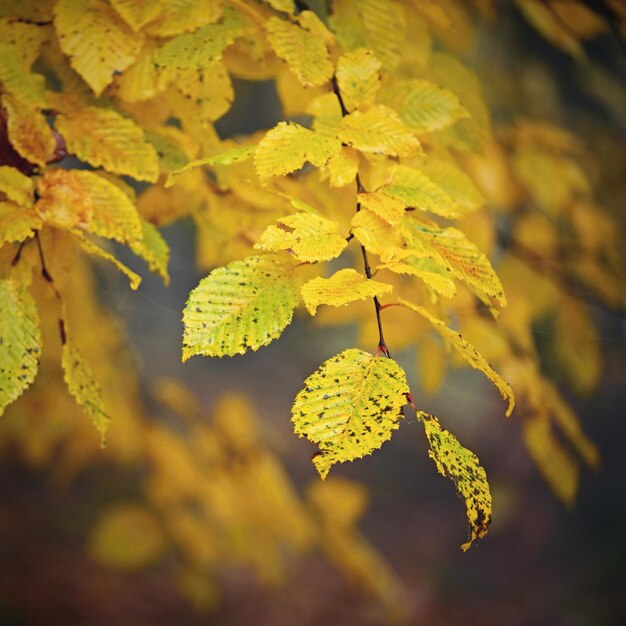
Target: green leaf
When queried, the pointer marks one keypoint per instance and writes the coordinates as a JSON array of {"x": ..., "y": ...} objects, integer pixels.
[
  {"x": 20, "y": 341},
  {"x": 463, "y": 467},
  {"x": 350, "y": 406},
  {"x": 240, "y": 307}
]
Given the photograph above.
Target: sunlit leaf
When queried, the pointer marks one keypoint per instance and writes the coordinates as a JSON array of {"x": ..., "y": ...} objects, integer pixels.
[
  {"x": 240, "y": 307},
  {"x": 350, "y": 406},
  {"x": 358, "y": 78},
  {"x": 462, "y": 467},
  {"x": 341, "y": 288},
  {"x": 16, "y": 186},
  {"x": 17, "y": 223}
]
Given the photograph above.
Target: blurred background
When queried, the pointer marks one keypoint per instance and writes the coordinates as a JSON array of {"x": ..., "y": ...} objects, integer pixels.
[{"x": 64, "y": 561}]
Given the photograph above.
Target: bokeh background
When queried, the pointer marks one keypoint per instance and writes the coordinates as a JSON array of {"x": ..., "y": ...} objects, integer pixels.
[{"x": 541, "y": 563}]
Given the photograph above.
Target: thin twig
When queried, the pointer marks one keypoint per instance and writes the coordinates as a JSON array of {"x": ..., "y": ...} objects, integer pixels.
[{"x": 382, "y": 346}]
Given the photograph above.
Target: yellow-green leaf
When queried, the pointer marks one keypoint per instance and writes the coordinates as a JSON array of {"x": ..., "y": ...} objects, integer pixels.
[
  {"x": 374, "y": 233},
  {"x": 103, "y": 138},
  {"x": 20, "y": 341},
  {"x": 350, "y": 406},
  {"x": 17, "y": 79},
  {"x": 385, "y": 206},
  {"x": 286, "y": 6},
  {"x": 358, "y": 78},
  {"x": 452, "y": 250},
  {"x": 202, "y": 47},
  {"x": 16, "y": 186},
  {"x": 96, "y": 40},
  {"x": 423, "y": 269},
  {"x": 17, "y": 223},
  {"x": 311, "y": 237},
  {"x": 240, "y": 307},
  {"x": 153, "y": 249},
  {"x": 462, "y": 467},
  {"x": 467, "y": 352},
  {"x": 454, "y": 182},
  {"x": 23, "y": 38},
  {"x": 415, "y": 189},
  {"x": 185, "y": 16},
  {"x": 91, "y": 248},
  {"x": 341, "y": 288},
  {"x": 424, "y": 106},
  {"x": 81, "y": 384},
  {"x": 379, "y": 130},
  {"x": 343, "y": 167},
  {"x": 288, "y": 146},
  {"x": 302, "y": 46}
]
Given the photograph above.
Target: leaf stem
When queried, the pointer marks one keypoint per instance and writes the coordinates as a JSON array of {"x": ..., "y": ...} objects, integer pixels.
[{"x": 382, "y": 346}]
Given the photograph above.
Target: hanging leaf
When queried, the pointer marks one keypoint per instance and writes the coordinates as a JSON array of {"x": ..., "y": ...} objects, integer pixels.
[
  {"x": 309, "y": 236},
  {"x": 16, "y": 78},
  {"x": 302, "y": 46},
  {"x": 103, "y": 138},
  {"x": 350, "y": 406},
  {"x": 288, "y": 146},
  {"x": 81, "y": 384},
  {"x": 153, "y": 249},
  {"x": 343, "y": 287},
  {"x": 20, "y": 341},
  {"x": 467, "y": 352},
  {"x": 240, "y": 307},
  {"x": 96, "y": 40},
  {"x": 463, "y": 467},
  {"x": 424, "y": 269},
  {"x": 358, "y": 77},
  {"x": 379, "y": 130},
  {"x": 343, "y": 167}
]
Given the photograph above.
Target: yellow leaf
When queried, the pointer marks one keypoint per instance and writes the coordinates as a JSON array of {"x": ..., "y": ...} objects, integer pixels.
[
  {"x": 311, "y": 237},
  {"x": 385, "y": 206},
  {"x": 97, "y": 41},
  {"x": 142, "y": 80},
  {"x": 89, "y": 247},
  {"x": 425, "y": 270},
  {"x": 454, "y": 182},
  {"x": 286, "y": 148},
  {"x": 451, "y": 249},
  {"x": 343, "y": 167},
  {"x": 103, "y": 138},
  {"x": 29, "y": 132},
  {"x": 577, "y": 345},
  {"x": 416, "y": 190},
  {"x": 16, "y": 186},
  {"x": 202, "y": 47},
  {"x": 302, "y": 46},
  {"x": 17, "y": 223},
  {"x": 16, "y": 78},
  {"x": 70, "y": 198},
  {"x": 81, "y": 384},
  {"x": 358, "y": 78},
  {"x": 424, "y": 106},
  {"x": 20, "y": 340},
  {"x": 242, "y": 306},
  {"x": 369, "y": 24},
  {"x": 467, "y": 352},
  {"x": 379, "y": 130},
  {"x": 127, "y": 537},
  {"x": 23, "y": 38},
  {"x": 462, "y": 467},
  {"x": 556, "y": 464},
  {"x": 153, "y": 249},
  {"x": 350, "y": 406},
  {"x": 137, "y": 13},
  {"x": 341, "y": 288},
  {"x": 374, "y": 233},
  {"x": 286, "y": 6},
  {"x": 180, "y": 16}
]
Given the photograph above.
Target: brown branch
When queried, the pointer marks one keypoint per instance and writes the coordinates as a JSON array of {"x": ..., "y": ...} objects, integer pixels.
[{"x": 382, "y": 346}]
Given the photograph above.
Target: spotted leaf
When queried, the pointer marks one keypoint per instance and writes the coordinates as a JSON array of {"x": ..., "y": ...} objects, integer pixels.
[
  {"x": 240, "y": 307},
  {"x": 350, "y": 406}
]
